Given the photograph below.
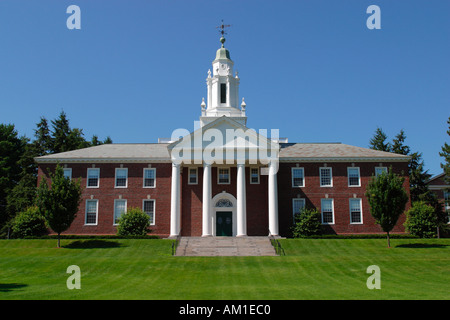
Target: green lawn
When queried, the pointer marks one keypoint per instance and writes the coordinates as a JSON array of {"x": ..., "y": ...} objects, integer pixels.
[{"x": 145, "y": 269}]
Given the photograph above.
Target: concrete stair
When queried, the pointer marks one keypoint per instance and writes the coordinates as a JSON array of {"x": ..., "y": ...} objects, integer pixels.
[{"x": 225, "y": 246}]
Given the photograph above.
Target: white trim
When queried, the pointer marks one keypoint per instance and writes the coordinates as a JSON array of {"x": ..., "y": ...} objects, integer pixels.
[
  {"x": 143, "y": 178},
  {"x": 189, "y": 175},
  {"x": 229, "y": 175},
  {"x": 360, "y": 210},
  {"x": 257, "y": 169},
  {"x": 115, "y": 179},
  {"x": 114, "y": 210},
  {"x": 292, "y": 177},
  {"x": 87, "y": 178},
  {"x": 154, "y": 209},
  {"x": 359, "y": 177},
  {"x": 332, "y": 210},
  {"x": 331, "y": 177},
  {"x": 96, "y": 213}
]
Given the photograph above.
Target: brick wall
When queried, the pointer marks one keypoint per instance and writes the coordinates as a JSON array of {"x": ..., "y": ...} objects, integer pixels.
[
  {"x": 340, "y": 192},
  {"x": 106, "y": 193},
  {"x": 257, "y": 203}
]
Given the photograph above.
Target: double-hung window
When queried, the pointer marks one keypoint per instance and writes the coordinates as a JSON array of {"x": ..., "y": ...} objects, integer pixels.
[
  {"x": 447, "y": 204},
  {"x": 68, "y": 173},
  {"x": 353, "y": 177},
  {"x": 120, "y": 207},
  {"x": 149, "y": 177},
  {"x": 326, "y": 177},
  {"x": 355, "y": 211},
  {"x": 298, "y": 204},
  {"x": 193, "y": 176},
  {"x": 327, "y": 211},
  {"x": 121, "y": 177},
  {"x": 223, "y": 175},
  {"x": 298, "y": 177},
  {"x": 149, "y": 209},
  {"x": 254, "y": 175},
  {"x": 93, "y": 177},
  {"x": 91, "y": 212},
  {"x": 380, "y": 170}
]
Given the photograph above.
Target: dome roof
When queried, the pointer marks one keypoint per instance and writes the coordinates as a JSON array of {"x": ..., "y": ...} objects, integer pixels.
[{"x": 223, "y": 53}]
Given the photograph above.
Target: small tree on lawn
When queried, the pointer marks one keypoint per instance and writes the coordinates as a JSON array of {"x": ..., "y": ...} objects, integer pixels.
[
  {"x": 59, "y": 203},
  {"x": 387, "y": 200}
]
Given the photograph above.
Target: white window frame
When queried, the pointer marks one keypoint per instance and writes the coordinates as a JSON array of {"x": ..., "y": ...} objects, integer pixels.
[
  {"x": 293, "y": 206},
  {"x": 380, "y": 168},
  {"x": 332, "y": 210},
  {"x": 251, "y": 175},
  {"x": 189, "y": 175},
  {"x": 86, "y": 212},
  {"x": 154, "y": 209},
  {"x": 87, "y": 178},
  {"x": 218, "y": 175},
  {"x": 303, "y": 176},
  {"x": 348, "y": 177},
  {"x": 126, "y": 180},
  {"x": 69, "y": 170},
  {"x": 360, "y": 210},
  {"x": 331, "y": 177},
  {"x": 114, "y": 213},
  {"x": 143, "y": 177}
]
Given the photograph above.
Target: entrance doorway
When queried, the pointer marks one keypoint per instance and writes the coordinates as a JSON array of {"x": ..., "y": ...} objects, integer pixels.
[{"x": 224, "y": 223}]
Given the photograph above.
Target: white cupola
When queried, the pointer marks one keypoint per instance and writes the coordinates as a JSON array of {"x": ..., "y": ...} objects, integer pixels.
[{"x": 223, "y": 90}]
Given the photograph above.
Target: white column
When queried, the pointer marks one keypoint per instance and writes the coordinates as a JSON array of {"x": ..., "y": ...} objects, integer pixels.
[
  {"x": 175, "y": 201},
  {"x": 273, "y": 198},
  {"x": 241, "y": 213},
  {"x": 206, "y": 201}
]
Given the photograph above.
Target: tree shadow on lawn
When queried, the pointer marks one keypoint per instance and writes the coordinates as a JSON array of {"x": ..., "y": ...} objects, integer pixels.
[
  {"x": 7, "y": 287},
  {"x": 422, "y": 245},
  {"x": 93, "y": 244}
]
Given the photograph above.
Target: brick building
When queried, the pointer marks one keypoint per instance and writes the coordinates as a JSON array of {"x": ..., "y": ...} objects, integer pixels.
[{"x": 224, "y": 179}]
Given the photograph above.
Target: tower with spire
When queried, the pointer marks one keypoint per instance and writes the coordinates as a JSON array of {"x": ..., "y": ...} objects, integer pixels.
[{"x": 222, "y": 89}]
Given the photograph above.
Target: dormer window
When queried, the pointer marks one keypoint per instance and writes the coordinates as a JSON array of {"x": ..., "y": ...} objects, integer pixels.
[{"x": 223, "y": 93}]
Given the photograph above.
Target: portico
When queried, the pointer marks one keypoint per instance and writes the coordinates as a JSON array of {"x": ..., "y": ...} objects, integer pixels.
[{"x": 224, "y": 202}]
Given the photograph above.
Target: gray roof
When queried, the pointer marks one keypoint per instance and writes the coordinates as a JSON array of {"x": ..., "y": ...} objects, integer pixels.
[
  {"x": 121, "y": 152},
  {"x": 334, "y": 152},
  {"x": 145, "y": 152}
]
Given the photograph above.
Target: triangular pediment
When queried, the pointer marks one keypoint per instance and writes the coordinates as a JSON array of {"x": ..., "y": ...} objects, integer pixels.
[{"x": 223, "y": 141}]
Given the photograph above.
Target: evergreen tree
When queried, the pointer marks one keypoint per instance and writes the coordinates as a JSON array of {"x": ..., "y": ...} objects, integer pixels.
[
  {"x": 11, "y": 149},
  {"x": 446, "y": 155},
  {"x": 378, "y": 142},
  {"x": 398, "y": 144}
]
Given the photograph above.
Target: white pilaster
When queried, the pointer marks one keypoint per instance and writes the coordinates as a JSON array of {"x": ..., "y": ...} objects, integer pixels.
[
  {"x": 273, "y": 198},
  {"x": 206, "y": 201},
  {"x": 241, "y": 213},
  {"x": 175, "y": 201}
]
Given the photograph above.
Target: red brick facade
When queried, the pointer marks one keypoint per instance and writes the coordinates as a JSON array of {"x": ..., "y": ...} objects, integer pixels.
[{"x": 256, "y": 196}]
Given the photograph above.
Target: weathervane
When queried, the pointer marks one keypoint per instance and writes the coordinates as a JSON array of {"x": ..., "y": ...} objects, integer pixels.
[{"x": 222, "y": 31}]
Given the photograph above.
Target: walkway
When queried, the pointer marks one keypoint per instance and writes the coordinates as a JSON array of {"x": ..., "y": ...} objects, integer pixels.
[{"x": 225, "y": 246}]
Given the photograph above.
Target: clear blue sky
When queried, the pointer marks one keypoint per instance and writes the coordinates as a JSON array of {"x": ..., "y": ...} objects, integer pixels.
[{"x": 312, "y": 69}]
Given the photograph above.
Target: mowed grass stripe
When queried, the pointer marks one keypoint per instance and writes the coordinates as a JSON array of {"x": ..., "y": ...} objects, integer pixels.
[{"x": 145, "y": 269}]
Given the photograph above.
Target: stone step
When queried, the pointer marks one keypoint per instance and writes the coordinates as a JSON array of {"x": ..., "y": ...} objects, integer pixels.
[{"x": 225, "y": 246}]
